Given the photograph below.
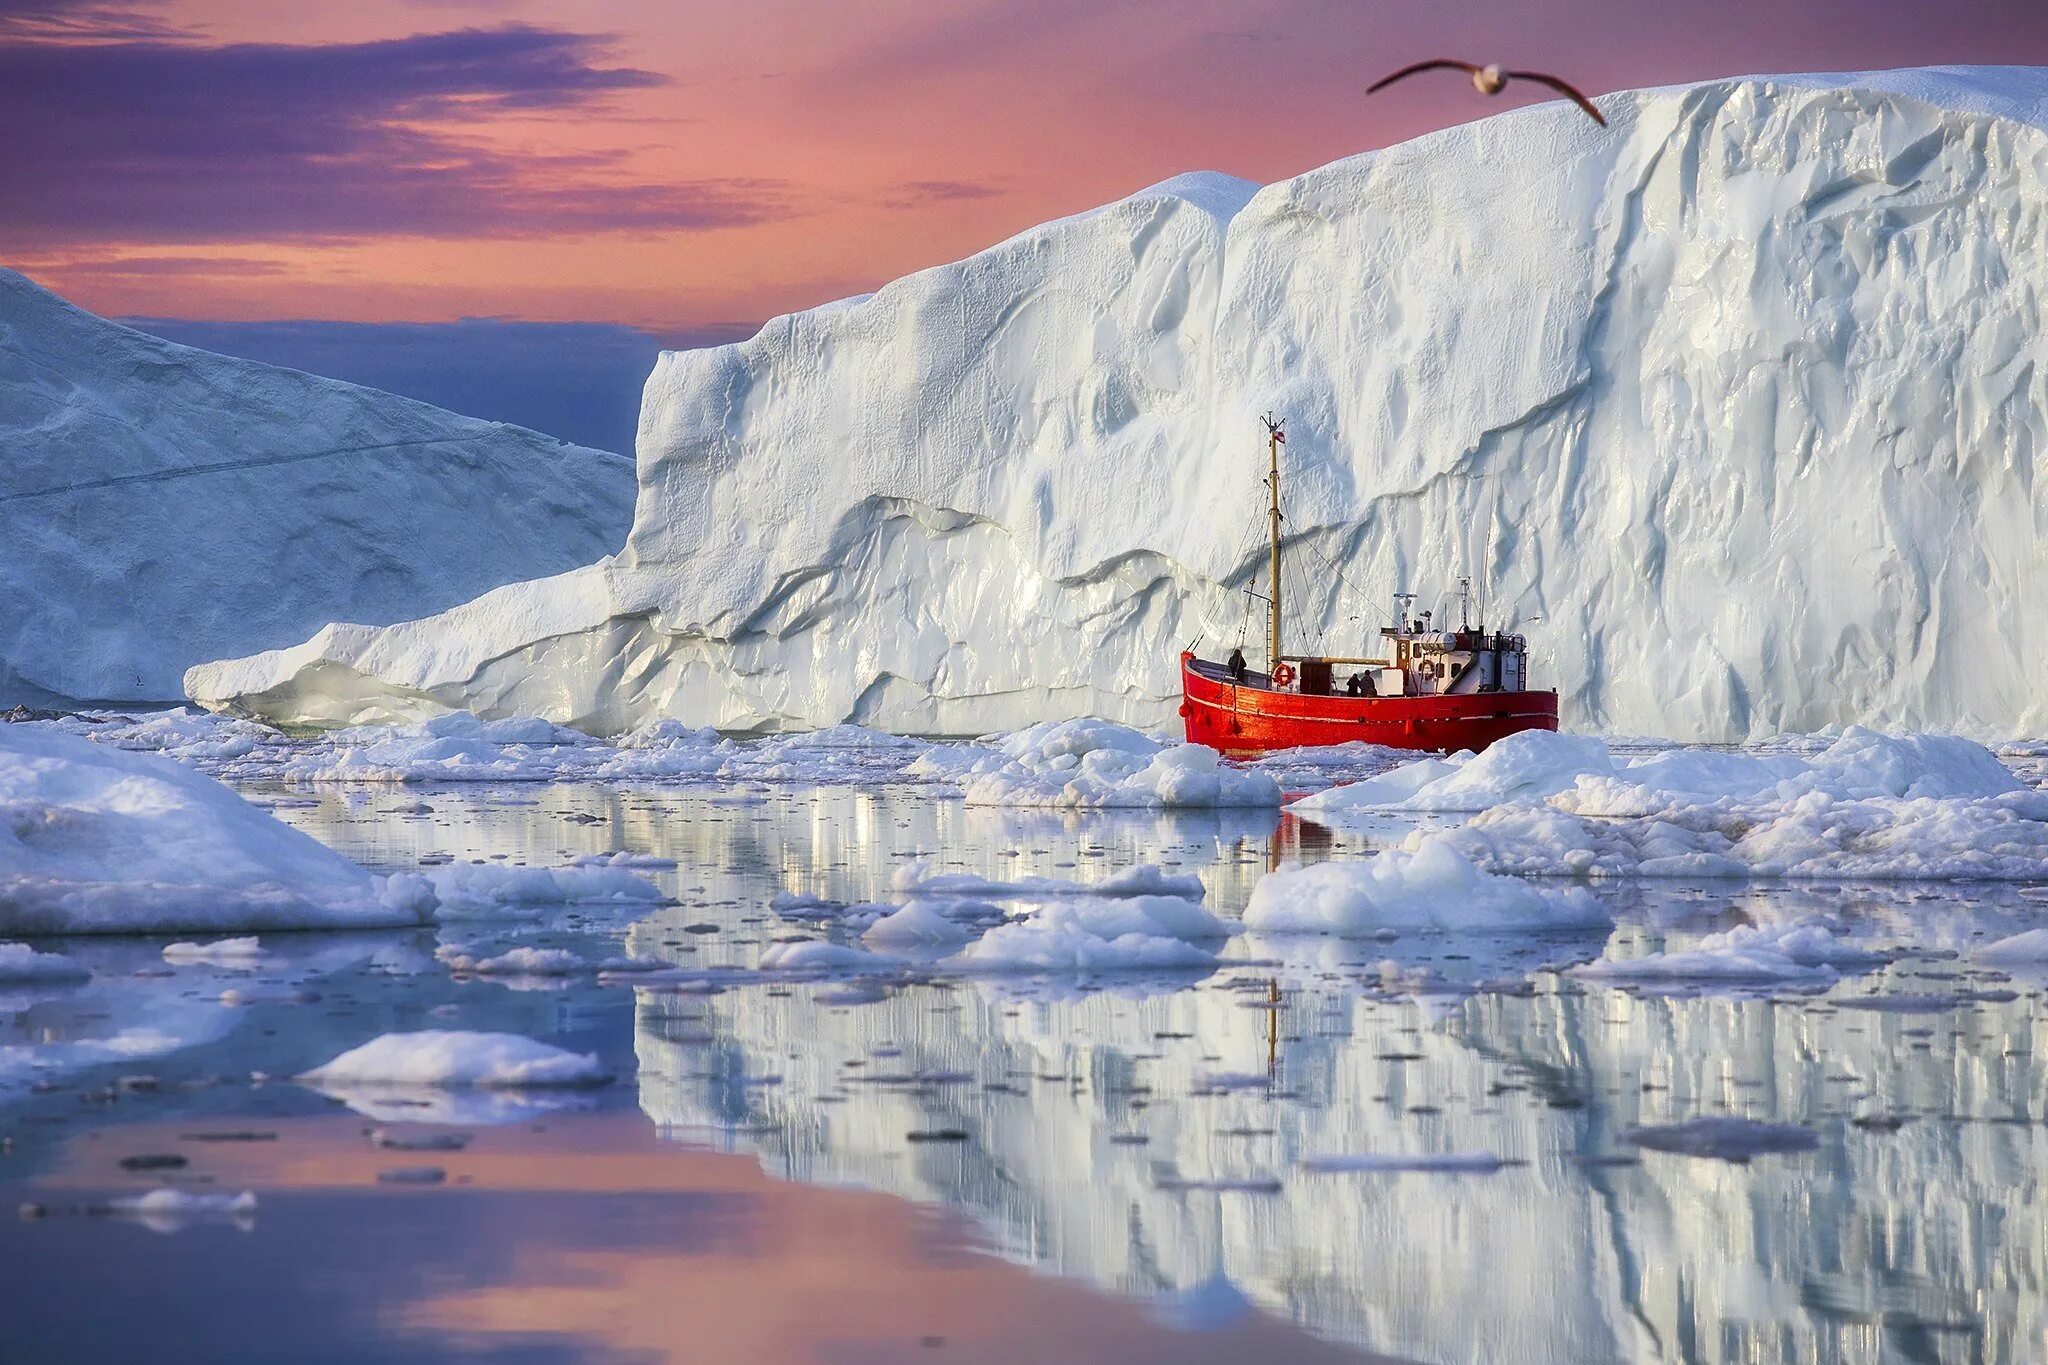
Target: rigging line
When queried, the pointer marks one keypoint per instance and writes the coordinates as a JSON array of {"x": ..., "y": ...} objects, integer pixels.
[{"x": 1336, "y": 571}]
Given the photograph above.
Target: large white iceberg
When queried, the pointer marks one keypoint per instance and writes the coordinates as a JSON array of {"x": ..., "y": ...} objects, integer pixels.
[
  {"x": 1736, "y": 406},
  {"x": 161, "y": 505}
]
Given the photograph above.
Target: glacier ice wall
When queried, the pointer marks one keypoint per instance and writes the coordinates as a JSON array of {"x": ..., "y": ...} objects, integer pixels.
[
  {"x": 161, "y": 505},
  {"x": 1734, "y": 407}
]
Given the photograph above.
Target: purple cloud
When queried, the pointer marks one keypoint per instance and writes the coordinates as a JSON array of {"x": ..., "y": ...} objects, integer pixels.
[
  {"x": 275, "y": 142},
  {"x": 81, "y": 21}
]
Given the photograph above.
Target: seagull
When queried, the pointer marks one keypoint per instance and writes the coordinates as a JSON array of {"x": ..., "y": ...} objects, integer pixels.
[{"x": 1491, "y": 80}]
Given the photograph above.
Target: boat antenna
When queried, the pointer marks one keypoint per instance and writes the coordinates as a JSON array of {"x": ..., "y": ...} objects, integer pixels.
[{"x": 1276, "y": 436}]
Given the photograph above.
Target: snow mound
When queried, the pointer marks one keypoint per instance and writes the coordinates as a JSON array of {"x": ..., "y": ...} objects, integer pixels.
[
  {"x": 494, "y": 891},
  {"x": 1429, "y": 887},
  {"x": 1822, "y": 290},
  {"x": 1088, "y": 762},
  {"x": 96, "y": 840},
  {"x": 161, "y": 506},
  {"x": 435, "y": 1057}
]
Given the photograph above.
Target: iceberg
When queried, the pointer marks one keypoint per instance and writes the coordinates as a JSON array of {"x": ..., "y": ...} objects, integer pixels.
[
  {"x": 161, "y": 505},
  {"x": 1734, "y": 406}
]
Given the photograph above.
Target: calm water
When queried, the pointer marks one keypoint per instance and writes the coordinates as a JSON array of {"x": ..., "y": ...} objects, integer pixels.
[{"x": 1027, "y": 1170}]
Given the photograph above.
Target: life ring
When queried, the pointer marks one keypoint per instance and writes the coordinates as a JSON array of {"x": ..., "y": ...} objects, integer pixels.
[{"x": 1283, "y": 674}]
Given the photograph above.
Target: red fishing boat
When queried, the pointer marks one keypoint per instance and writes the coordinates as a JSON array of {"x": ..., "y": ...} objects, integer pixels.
[{"x": 1429, "y": 688}]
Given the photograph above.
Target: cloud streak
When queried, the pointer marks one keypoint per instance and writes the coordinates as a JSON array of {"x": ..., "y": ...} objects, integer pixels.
[{"x": 250, "y": 142}]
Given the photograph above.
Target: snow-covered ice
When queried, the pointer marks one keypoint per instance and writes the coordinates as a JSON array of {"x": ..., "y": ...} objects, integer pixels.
[
  {"x": 22, "y": 965},
  {"x": 1740, "y": 373},
  {"x": 1861, "y": 805},
  {"x": 1099, "y": 934},
  {"x": 161, "y": 506},
  {"x": 245, "y": 951},
  {"x": 1090, "y": 762},
  {"x": 1430, "y": 887},
  {"x": 438, "y": 1057},
  {"x": 96, "y": 839}
]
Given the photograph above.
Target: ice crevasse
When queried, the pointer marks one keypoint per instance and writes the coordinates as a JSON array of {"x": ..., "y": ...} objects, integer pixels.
[{"x": 1734, "y": 406}]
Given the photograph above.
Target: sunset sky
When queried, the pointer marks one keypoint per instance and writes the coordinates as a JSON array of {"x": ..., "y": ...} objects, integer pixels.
[{"x": 688, "y": 168}]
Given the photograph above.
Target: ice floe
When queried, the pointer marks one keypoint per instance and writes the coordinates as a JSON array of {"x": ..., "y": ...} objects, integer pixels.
[
  {"x": 1099, "y": 934},
  {"x": 97, "y": 839},
  {"x": 437, "y": 1057},
  {"x": 22, "y": 965},
  {"x": 1431, "y": 886},
  {"x": 1866, "y": 805},
  {"x": 1094, "y": 763},
  {"x": 226, "y": 952}
]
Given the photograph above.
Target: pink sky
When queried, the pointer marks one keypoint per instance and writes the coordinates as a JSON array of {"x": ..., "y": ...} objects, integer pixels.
[{"x": 675, "y": 164}]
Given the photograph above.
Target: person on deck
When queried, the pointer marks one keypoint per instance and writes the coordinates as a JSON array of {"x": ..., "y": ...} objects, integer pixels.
[{"x": 1236, "y": 665}]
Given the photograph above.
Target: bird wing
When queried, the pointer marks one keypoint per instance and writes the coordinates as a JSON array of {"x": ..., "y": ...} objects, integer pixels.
[
  {"x": 1433, "y": 64},
  {"x": 1564, "y": 88}
]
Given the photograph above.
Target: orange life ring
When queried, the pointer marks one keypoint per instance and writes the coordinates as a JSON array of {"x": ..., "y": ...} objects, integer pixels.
[{"x": 1283, "y": 675}]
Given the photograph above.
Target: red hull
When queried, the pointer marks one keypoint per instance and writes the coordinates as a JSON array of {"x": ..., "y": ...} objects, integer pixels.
[{"x": 1248, "y": 718}]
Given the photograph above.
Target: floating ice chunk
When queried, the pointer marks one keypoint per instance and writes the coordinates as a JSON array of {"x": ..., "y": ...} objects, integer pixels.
[
  {"x": 920, "y": 922},
  {"x": 1814, "y": 835},
  {"x": 2023, "y": 948},
  {"x": 1431, "y": 886},
  {"x": 1528, "y": 766},
  {"x": 1444, "y": 1163},
  {"x": 436, "y": 1057},
  {"x": 226, "y": 952},
  {"x": 517, "y": 962},
  {"x": 816, "y": 955},
  {"x": 96, "y": 839},
  {"x": 1091, "y": 763},
  {"x": 918, "y": 878},
  {"x": 21, "y": 964},
  {"x": 1723, "y": 1139},
  {"x": 167, "y": 1210},
  {"x": 1806, "y": 949},
  {"x": 648, "y": 862},
  {"x": 1100, "y": 934},
  {"x": 492, "y": 890}
]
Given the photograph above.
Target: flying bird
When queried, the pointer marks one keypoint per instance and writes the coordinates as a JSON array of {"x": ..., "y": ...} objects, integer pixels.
[{"x": 1491, "y": 80}]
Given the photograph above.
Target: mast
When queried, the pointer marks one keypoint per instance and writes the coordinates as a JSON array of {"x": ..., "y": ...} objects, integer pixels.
[{"x": 1276, "y": 436}]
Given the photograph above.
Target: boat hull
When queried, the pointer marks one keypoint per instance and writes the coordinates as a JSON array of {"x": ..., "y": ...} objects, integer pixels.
[{"x": 1247, "y": 718}]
